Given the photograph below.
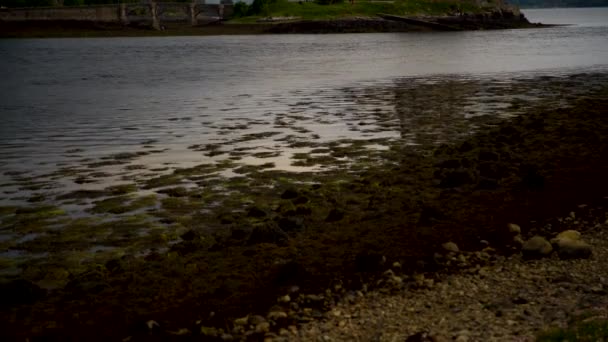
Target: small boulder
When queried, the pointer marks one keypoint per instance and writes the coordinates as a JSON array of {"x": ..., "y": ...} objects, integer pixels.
[
  {"x": 573, "y": 249},
  {"x": 334, "y": 215},
  {"x": 536, "y": 247},
  {"x": 190, "y": 235},
  {"x": 262, "y": 327},
  {"x": 290, "y": 194},
  {"x": 570, "y": 246},
  {"x": 455, "y": 178},
  {"x": 514, "y": 229},
  {"x": 20, "y": 291},
  {"x": 569, "y": 234},
  {"x": 450, "y": 247},
  {"x": 518, "y": 241},
  {"x": 256, "y": 212},
  {"x": 267, "y": 232}
]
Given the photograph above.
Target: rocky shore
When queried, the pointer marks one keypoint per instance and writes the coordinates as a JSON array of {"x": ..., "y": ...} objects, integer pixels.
[
  {"x": 480, "y": 21},
  {"x": 391, "y": 233},
  {"x": 507, "y": 298}
]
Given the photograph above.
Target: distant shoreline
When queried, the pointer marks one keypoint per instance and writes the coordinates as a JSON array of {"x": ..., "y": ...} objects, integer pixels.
[{"x": 75, "y": 29}]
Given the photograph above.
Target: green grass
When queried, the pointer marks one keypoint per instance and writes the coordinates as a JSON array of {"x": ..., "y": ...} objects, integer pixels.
[
  {"x": 596, "y": 330},
  {"x": 313, "y": 11}
]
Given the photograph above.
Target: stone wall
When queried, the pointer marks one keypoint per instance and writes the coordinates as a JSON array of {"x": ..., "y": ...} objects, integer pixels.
[{"x": 105, "y": 13}]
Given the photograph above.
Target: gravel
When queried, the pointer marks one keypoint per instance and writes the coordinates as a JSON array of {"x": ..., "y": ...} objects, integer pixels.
[{"x": 511, "y": 299}]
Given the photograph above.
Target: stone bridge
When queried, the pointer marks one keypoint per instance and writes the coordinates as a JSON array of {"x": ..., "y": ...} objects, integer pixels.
[{"x": 152, "y": 12}]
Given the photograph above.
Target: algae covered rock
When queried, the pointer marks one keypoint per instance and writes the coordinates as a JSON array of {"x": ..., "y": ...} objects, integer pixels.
[
  {"x": 536, "y": 247},
  {"x": 514, "y": 229},
  {"x": 267, "y": 232},
  {"x": 573, "y": 249},
  {"x": 570, "y": 246},
  {"x": 18, "y": 292},
  {"x": 450, "y": 247},
  {"x": 569, "y": 234}
]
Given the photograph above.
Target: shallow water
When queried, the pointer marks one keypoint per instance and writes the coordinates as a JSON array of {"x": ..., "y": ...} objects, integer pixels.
[
  {"x": 85, "y": 114},
  {"x": 64, "y": 100}
]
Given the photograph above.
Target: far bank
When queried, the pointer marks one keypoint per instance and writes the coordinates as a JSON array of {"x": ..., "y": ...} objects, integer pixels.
[{"x": 276, "y": 16}]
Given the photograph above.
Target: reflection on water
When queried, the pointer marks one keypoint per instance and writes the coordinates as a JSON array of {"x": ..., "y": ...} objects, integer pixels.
[
  {"x": 420, "y": 112},
  {"x": 87, "y": 113}
]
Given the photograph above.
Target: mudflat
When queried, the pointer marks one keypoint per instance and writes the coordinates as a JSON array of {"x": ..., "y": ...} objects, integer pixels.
[{"x": 278, "y": 233}]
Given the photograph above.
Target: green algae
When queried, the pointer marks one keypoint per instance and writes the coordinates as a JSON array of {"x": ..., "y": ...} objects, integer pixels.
[
  {"x": 246, "y": 169},
  {"x": 179, "y": 191},
  {"x": 121, "y": 189},
  {"x": 262, "y": 155},
  {"x": 162, "y": 181},
  {"x": 7, "y": 210},
  {"x": 123, "y": 204}
]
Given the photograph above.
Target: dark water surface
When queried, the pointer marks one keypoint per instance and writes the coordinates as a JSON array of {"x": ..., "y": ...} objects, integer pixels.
[
  {"x": 80, "y": 115},
  {"x": 83, "y": 114}
]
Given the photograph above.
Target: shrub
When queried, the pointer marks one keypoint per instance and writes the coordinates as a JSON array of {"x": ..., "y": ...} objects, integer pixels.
[
  {"x": 329, "y": 2},
  {"x": 240, "y": 9}
]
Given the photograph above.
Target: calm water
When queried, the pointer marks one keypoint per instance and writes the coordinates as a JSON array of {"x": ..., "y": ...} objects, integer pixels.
[{"x": 67, "y": 101}]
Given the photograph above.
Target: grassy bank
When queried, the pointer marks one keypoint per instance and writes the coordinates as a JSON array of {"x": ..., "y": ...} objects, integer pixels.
[{"x": 316, "y": 11}]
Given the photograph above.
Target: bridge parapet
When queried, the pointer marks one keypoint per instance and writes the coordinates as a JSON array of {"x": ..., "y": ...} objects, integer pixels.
[{"x": 125, "y": 13}]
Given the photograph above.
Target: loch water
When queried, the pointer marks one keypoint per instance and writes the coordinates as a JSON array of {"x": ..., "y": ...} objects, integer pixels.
[{"x": 68, "y": 102}]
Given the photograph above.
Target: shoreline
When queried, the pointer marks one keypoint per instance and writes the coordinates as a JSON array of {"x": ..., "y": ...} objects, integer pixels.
[
  {"x": 304, "y": 238},
  {"x": 74, "y": 29}
]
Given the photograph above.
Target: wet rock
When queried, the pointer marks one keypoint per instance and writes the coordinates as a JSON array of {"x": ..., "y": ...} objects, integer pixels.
[
  {"x": 301, "y": 210},
  {"x": 489, "y": 170},
  {"x": 289, "y": 194},
  {"x": 532, "y": 179},
  {"x": 91, "y": 282},
  {"x": 456, "y": 178},
  {"x": 19, "y": 292},
  {"x": 187, "y": 247},
  {"x": 189, "y": 235},
  {"x": 334, "y": 215},
  {"x": 487, "y": 183},
  {"x": 291, "y": 224},
  {"x": 256, "y": 320},
  {"x": 520, "y": 300},
  {"x": 488, "y": 156},
  {"x": 449, "y": 164},
  {"x": 465, "y": 147},
  {"x": 152, "y": 326},
  {"x": 289, "y": 272},
  {"x": 536, "y": 247},
  {"x": 573, "y": 249},
  {"x": 514, "y": 229},
  {"x": 226, "y": 337},
  {"x": 570, "y": 246},
  {"x": 569, "y": 234},
  {"x": 262, "y": 327},
  {"x": 423, "y": 336},
  {"x": 369, "y": 262},
  {"x": 174, "y": 192},
  {"x": 518, "y": 241},
  {"x": 243, "y": 321},
  {"x": 256, "y": 212},
  {"x": 301, "y": 200},
  {"x": 450, "y": 247},
  {"x": 429, "y": 215},
  {"x": 209, "y": 331},
  {"x": 267, "y": 232},
  {"x": 119, "y": 265},
  {"x": 239, "y": 233},
  {"x": 277, "y": 316}
]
